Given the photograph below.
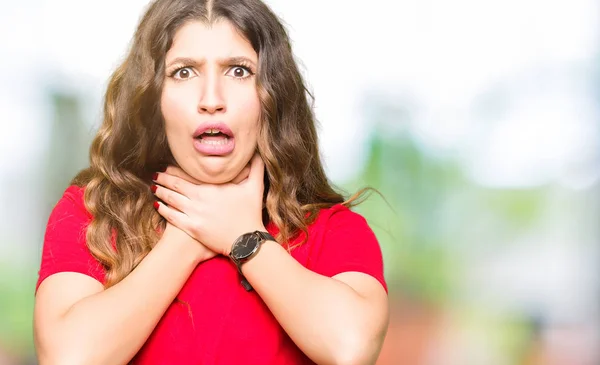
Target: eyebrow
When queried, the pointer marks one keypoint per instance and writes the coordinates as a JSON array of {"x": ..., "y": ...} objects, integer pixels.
[{"x": 223, "y": 61}]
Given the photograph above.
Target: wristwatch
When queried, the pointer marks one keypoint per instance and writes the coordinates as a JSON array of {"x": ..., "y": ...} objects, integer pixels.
[{"x": 244, "y": 248}]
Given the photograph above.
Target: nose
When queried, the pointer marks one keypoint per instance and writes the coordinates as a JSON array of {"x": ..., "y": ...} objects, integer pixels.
[{"x": 211, "y": 97}]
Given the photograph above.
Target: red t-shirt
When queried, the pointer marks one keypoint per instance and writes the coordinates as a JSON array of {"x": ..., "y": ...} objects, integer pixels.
[{"x": 219, "y": 322}]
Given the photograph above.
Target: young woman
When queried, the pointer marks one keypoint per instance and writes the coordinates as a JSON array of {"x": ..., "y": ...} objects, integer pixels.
[{"x": 205, "y": 230}]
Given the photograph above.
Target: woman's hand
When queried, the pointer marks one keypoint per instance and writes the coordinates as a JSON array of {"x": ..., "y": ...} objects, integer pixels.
[{"x": 215, "y": 215}]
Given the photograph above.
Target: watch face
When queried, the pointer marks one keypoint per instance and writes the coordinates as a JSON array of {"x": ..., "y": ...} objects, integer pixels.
[{"x": 244, "y": 246}]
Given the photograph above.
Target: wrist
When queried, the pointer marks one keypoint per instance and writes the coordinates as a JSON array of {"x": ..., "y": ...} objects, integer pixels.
[
  {"x": 185, "y": 245},
  {"x": 184, "y": 251},
  {"x": 203, "y": 254}
]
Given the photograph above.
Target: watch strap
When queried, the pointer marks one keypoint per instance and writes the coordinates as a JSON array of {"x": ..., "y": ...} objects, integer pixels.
[{"x": 265, "y": 236}]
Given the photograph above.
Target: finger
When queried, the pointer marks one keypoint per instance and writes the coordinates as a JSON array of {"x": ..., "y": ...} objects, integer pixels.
[
  {"x": 173, "y": 216},
  {"x": 177, "y": 171},
  {"x": 257, "y": 169},
  {"x": 174, "y": 183},
  {"x": 171, "y": 198},
  {"x": 243, "y": 175}
]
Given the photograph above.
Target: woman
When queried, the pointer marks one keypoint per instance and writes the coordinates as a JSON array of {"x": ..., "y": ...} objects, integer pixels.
[{"x": 240, "y": 251}]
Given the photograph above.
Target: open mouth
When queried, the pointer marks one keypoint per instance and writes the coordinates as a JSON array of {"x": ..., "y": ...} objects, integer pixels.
[{"x": 213, "y": 137}]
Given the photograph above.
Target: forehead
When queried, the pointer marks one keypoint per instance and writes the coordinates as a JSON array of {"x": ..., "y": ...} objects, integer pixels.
[{"x": 219, "y": 40}]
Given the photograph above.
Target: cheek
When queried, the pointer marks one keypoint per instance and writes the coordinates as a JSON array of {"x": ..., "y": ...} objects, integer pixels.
[
  {"x": 250, "y": 111},
  {"x": 168, "y": 109},
  {"x": 254, "y": 106},
  {"x": 173, "y": 110}
]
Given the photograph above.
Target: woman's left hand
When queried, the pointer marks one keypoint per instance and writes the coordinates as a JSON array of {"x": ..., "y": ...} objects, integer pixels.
[{"x": 215, "y": 215}]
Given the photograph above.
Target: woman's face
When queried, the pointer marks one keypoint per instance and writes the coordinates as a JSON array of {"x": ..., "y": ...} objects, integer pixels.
[{"x": 209, "y": 101}]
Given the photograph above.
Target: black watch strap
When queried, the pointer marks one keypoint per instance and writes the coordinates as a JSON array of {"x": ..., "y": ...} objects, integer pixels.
[{"x": 265, "y": 236}]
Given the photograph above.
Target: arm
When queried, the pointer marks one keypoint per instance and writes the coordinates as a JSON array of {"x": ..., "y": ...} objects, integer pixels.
[
  {"x": 76, "y": 321},
  {"x": 339, "y": 320},
  {"x": 339, "y": 317}
]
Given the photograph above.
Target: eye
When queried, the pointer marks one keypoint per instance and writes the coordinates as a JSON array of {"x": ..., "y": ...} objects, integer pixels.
[
  {"x": 239, "y": 72},
  {"x": 183, "y": 73}
]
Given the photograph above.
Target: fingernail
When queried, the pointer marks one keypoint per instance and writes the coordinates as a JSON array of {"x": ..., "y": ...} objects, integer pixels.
[
  {"x": 155, "y": 205},
  {"x": 163, "y": 168},
  {"x": 153, "y": 188},
  {"x": 155, "y": 176}
]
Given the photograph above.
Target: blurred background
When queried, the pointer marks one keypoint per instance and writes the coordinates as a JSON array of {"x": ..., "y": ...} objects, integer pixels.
[{"x": 478, "y": 121}]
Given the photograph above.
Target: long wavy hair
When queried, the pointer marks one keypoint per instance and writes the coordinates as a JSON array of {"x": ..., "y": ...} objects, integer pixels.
[{"x": 131, "y": 143}]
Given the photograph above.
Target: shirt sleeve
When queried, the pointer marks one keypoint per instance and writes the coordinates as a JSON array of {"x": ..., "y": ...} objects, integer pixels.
[
  {"x": 65, "y": 248},
  {"x": 349, "y": 244}
]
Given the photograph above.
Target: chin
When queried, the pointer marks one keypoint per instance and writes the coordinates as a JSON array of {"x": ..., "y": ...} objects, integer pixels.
[
  {"x": 208, "y": 178},
  {"x": 215, "y": 173}
]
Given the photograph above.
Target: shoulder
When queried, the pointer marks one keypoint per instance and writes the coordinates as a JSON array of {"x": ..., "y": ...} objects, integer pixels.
[
  {"x": 69, "y": 215},
  {"x": 69, "y": 211},
  {"x": 75, "y": 194},
  {"x": 339, "y": 217},
  {"x": 340, "y": 227},
  {"x": 344, "y": 242},
  {"x": 333, "y": 226},
  {"x": 65, "y": 244},
  {"x": 72, "y": 200}
]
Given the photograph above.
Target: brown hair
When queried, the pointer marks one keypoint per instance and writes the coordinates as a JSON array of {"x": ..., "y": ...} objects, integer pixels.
[{"x": 131, "y": 143}]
